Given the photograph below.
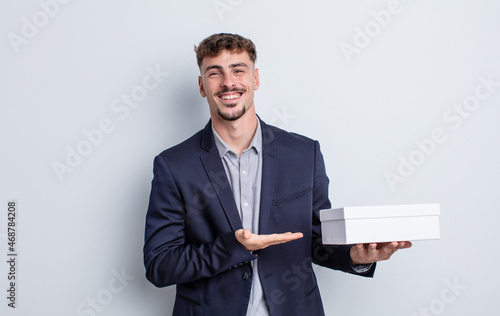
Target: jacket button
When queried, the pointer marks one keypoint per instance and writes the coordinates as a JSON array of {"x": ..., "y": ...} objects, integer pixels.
[{"x": 247, "y": 275}]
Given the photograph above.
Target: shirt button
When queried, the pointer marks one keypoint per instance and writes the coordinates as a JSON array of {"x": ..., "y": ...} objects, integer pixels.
[
  {"x": 244, "y": 172},
  {"x": 246, "y": 275},
  {"x": 245, "y": 204}
]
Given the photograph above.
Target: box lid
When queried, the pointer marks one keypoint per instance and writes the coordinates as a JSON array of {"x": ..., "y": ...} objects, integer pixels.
[{"x": 380, "y": 211}]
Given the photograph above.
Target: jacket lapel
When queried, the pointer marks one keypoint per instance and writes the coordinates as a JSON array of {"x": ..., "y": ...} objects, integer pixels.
[
  {"x": 215, "y": 171},
  {"x": 269, "y": 171}
]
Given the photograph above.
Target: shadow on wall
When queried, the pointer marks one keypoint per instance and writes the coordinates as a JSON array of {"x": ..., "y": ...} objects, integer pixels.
[{"x": 185, "y": 112}]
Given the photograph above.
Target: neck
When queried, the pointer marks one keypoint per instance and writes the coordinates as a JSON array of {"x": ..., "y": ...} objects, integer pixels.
[{"x": 237, "y": 134}]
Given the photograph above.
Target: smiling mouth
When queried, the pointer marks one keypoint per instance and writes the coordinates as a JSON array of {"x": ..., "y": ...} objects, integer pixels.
[{"x": 230, "y": 95}]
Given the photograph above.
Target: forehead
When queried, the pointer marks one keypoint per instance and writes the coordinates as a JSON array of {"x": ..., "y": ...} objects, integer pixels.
[{"x": 225, "y": 59}]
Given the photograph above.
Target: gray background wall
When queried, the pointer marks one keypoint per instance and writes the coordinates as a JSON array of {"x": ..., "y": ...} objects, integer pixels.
[{"x": 371, "y": 80}]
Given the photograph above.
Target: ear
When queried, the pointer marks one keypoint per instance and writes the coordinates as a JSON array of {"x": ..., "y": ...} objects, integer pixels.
[
  {"x": 202, "y": 90},
  {"x": 256, "y": 80}
]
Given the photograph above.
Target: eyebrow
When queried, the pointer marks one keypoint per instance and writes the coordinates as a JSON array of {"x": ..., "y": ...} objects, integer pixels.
[
  {"x": 230, "y": 66},
  {"x": 238, "y": 65}
]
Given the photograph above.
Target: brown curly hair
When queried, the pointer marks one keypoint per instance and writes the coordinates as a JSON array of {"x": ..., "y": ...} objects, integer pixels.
[{"x": 214, "y": 44}]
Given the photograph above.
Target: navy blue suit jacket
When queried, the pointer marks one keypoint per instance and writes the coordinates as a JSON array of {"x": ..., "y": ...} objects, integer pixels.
[{"x": 192, "y": 218}]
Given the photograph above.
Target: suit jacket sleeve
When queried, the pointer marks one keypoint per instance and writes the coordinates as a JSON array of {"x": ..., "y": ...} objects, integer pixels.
[
  {"x": 331, "y": 256},
  {"x": 168, "y": 258}
]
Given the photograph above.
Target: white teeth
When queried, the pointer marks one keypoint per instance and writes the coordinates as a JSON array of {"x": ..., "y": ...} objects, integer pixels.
[{"x": 230, "y": 97}]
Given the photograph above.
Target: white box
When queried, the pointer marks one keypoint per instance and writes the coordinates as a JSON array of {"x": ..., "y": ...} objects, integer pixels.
[{"x": 368, "y": 224}]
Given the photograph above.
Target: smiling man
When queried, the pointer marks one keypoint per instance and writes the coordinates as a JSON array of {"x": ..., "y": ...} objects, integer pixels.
[
  {"x": 233, "y": 217},
  {"x": 230, "y": 85}
]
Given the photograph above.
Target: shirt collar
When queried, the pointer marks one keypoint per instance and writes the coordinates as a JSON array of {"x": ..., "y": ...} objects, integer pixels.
[{"x": 224, "y": 148}]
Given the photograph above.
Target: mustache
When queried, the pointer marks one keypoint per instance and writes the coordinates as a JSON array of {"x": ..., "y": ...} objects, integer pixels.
[{"x": 226, "y": 90}]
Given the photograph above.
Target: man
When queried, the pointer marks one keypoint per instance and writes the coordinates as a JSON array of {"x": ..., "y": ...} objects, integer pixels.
[{"x": 233, "y": 218}]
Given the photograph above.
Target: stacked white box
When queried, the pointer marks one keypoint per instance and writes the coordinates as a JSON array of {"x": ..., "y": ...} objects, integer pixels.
[{"x": 369, "y": 224}]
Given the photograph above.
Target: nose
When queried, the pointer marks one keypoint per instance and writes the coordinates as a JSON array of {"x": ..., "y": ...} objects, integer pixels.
[{"x": 228, "y": 81}]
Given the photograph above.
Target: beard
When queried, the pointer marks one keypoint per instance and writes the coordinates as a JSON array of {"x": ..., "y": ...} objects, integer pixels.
[{"x": 231, "y": 117}]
